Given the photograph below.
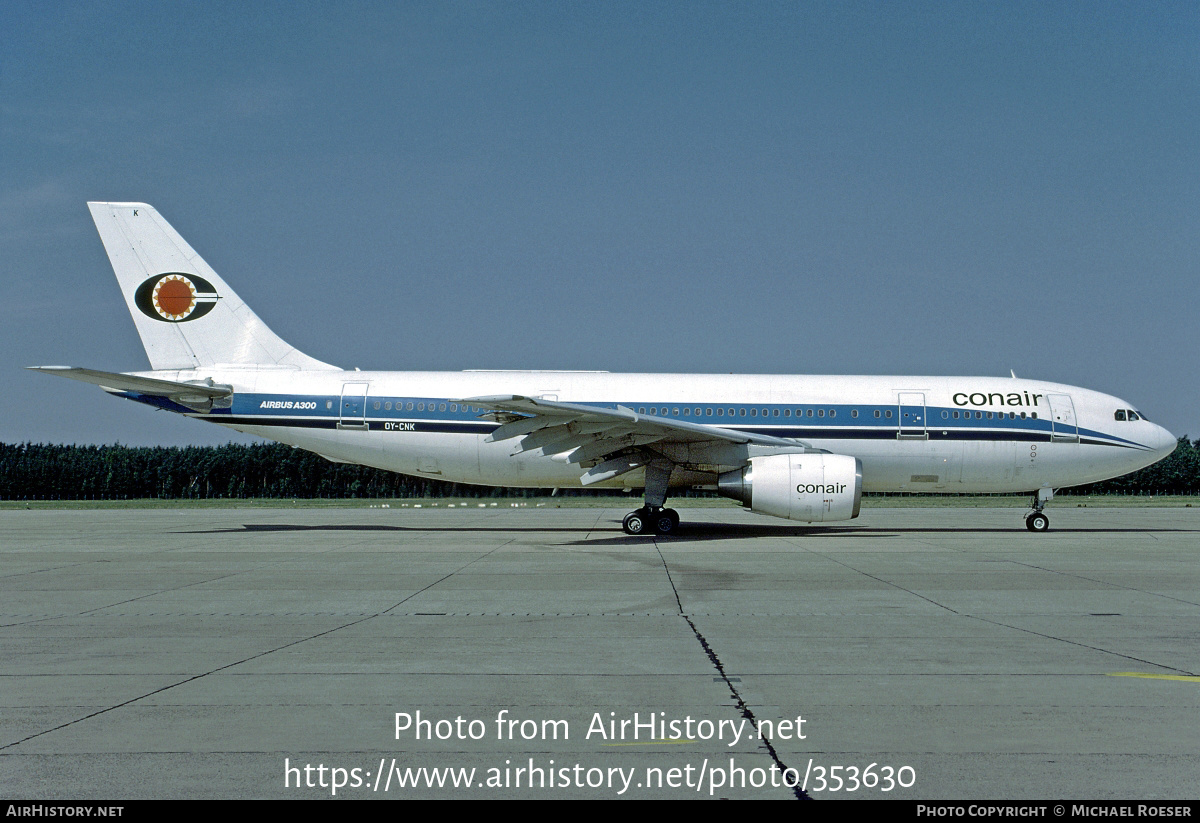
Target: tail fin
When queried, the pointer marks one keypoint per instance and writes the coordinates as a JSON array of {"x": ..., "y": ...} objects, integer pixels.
[{"x": 185, "y": 313}]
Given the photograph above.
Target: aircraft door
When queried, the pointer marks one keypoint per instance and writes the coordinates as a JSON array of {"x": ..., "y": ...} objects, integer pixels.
[
  {"x": 912, "y": 416},
  {"x": 1062, "y": 416},
  {"x": 354, "y": 406}
]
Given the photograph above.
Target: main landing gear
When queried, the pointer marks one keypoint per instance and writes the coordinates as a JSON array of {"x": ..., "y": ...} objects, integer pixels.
[
  {"x": 651, "y": 520},
  {"x": 1036, "y": 521}
]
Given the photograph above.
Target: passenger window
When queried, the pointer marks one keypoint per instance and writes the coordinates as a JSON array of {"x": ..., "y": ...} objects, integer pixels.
[
  {"x": 820, "y": 412},
  {"x": 854, "y": 412},
  {"x": 641, "y": 409},
  {"x": 420, "y": 407},
  {"x": 675, "y": 412},
  {"x": 720, "y": 412},
  {"x": 708, "y": 412},
  {"x": 787, "y": 412},
  {"x": 808, "y": 412},
  {"x": 409, "y": 406},
  {"x": 376, "y": 405},
  {"x": 687, "y": 412},
  {"x": 742, "y": 412},
  {"x": 877, "y": 412},
  {"x": 453, "y": 407},
  {"x": 754, "y": 412},
  {"x": 888, "y": 414},
  {"x": 775, "y": 412},
  {"x": 833, "y": 412}
]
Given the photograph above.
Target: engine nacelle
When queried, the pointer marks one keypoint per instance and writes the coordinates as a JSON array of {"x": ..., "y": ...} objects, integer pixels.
[{"x": 808, "y": 487}]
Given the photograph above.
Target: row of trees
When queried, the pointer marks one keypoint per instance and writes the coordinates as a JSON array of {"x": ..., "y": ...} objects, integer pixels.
[
  {"x": 34, "y": 471},
  {"x": 1178, "y": 473}
]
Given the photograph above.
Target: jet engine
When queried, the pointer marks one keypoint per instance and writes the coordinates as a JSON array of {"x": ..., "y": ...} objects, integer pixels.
[{"x": 808, "y": 487}]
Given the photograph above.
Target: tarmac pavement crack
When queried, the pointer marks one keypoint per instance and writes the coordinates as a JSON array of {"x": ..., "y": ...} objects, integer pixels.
[
  {"x": 261, "y": 654},
  {"x": 257, "y": 567},
  {"x": 463, "y": 567},
  {"x": 50, "y": 569},
  {"x": 1000, "y": 623},
  {"x": 254, "y": 568},
  {"x": 595, "y": 523},
  {"x": 739, "y": 701},
  {"x": 122, "y": 602},
  {"x": 1102, "y": 582}
]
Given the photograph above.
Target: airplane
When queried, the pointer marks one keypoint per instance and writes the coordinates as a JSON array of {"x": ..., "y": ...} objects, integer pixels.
[{"x": 803, "y": 448}]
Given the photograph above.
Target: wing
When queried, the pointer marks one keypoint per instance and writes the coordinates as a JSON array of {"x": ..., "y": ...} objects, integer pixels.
[{"x": 611, "y": 441}]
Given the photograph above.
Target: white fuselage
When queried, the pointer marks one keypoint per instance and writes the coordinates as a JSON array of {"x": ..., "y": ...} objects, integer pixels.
[{"x": 945, "y": 434}]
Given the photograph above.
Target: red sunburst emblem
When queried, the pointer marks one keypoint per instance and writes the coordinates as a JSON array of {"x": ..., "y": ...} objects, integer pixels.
[{"x": 174, "y": 297}]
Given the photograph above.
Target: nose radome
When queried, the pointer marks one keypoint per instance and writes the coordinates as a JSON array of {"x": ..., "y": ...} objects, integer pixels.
[{"x": 1163, "y": 441}]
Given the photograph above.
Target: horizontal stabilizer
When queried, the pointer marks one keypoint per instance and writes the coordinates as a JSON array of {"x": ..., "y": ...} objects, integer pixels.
[{"x": 201, "y": 396}]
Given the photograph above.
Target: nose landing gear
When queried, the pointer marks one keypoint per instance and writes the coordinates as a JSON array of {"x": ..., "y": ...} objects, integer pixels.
[{"x": 1036, "y": 521}]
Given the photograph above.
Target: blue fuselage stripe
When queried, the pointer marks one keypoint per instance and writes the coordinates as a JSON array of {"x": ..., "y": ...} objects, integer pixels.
[{"x": 801, "y": 421}]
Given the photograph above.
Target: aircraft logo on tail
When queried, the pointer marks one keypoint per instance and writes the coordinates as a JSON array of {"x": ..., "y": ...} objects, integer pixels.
[{"x": 175, "y": 297}]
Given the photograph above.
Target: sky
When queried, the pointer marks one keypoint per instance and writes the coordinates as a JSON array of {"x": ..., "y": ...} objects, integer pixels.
[{"x": 948, "y": 188}]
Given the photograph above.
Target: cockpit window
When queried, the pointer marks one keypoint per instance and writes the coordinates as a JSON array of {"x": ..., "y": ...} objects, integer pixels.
[
  {"x": 1120, "y": 415},
  {"x": 1134, "y": 415}
]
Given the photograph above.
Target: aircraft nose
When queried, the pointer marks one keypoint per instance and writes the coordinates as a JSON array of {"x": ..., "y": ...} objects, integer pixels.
[{"x": 1163, "y": 441}]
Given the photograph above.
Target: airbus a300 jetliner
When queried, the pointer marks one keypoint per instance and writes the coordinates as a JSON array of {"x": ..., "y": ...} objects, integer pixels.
[{"x": 798, "y": 447}]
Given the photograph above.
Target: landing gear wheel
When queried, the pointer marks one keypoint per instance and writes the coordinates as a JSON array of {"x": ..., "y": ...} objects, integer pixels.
[
  {"x": 665, "y": 521},
  {"x": 1037, "y": 522},
  {"x": 636, "y": 522}
]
